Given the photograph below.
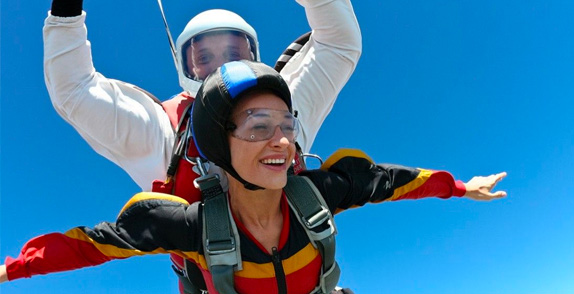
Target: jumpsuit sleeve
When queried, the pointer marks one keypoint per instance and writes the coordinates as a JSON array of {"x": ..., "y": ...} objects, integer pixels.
[
  {"x": 151, "y": 223},
  {"x": 119, "y": 121},
  {"x": 318, "y": 72},
  {"x": 353, "y": 181}
]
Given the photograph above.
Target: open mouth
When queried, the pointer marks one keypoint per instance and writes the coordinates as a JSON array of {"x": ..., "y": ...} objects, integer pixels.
[{"x": 274, "y": 161}]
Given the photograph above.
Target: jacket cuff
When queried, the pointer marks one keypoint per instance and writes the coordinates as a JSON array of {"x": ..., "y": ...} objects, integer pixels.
[
  {"x": 16, "y": 269},
  {"x": 459, "y": 188},
  {"x": 66, "y": 8}
]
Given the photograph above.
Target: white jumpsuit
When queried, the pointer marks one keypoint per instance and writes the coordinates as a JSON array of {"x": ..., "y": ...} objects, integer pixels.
[{"x": 126, "y": 126}]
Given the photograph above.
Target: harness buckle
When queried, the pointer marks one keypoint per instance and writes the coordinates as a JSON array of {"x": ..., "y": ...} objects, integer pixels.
[
  {"x": 220, "y": 246},
  {"x": 317, "y": 219},
  {"x": 204, "y": 180},
  {"x": 209, "y": 185}
]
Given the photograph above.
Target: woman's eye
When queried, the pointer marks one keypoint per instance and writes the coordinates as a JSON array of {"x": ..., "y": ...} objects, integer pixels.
[
  {"x": 288, "y": 128},
  {"x": 260, "y": 128}
]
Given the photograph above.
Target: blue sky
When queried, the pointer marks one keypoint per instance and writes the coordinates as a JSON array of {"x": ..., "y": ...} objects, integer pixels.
[{"x": 472, "y": 87}]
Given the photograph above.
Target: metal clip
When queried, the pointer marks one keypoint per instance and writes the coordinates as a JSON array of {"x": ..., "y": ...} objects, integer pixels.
[
  {"x": 317, "y": 219},
  {"x": 220, "y": 247}
]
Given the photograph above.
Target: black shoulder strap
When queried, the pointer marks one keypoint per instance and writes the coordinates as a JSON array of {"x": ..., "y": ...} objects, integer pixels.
[
  {"x": 220, "y": 236},
  {"x": 182, "y": 141},
  {"x": 221, "y": 239},
  {"x": 291, "y": 50},
  {"x": 314, "y": 215}
]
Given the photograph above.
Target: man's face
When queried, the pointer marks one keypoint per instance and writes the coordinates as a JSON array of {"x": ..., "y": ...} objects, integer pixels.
[{"x": 213, "y": 50}]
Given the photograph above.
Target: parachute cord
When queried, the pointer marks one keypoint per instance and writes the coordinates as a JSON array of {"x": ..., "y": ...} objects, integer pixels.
[{"x": 169, "y": 38}]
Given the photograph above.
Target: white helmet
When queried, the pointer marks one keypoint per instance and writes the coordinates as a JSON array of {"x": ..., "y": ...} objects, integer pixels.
[{"x": 209, "y": 21}]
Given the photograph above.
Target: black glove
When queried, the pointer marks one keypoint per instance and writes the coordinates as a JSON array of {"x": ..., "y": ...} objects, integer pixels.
[{"x": 67, "y": 8}]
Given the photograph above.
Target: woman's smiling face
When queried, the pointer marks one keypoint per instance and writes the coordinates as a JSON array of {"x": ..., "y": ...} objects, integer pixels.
[{"x": 263, "y": 163}]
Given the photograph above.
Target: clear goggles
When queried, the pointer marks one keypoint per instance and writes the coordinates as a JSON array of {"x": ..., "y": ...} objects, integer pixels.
[
  {"x": 259, "y": 124},
  {"x": 233, "y": 52}
]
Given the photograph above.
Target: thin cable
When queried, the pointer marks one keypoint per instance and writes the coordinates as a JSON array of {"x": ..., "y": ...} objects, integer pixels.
[{"x": 170, "y": 39}]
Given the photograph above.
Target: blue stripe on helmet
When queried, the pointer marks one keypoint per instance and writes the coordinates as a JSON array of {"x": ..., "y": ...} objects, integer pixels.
[
  {"x": 193, "y": 132},
  {"x": 237, "y": 77}
]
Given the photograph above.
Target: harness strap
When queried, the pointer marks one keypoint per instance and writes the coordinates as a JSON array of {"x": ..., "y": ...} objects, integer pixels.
[
  {"x": 221, "y": 239},
  {"x": 192, "y": 278},
  {"x": 291, "y": 50},
  {"x": 181, "y": 143},
  {"x": 220, "y": 235},
  {"x": 315, "y": 216}
]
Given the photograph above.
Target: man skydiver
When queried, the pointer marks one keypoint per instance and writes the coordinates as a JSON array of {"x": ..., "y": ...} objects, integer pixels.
[{"x": 122, "y": 123}]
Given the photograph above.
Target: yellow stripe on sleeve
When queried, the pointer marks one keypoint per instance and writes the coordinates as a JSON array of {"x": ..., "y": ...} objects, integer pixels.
[
  {"x": 152, "y": 195},
  {"x": 115, "y": 252},
  {"x": 342, "y": 153},
  {"x": 423, "y": 176},
  {"x": 107, "y": 249}
]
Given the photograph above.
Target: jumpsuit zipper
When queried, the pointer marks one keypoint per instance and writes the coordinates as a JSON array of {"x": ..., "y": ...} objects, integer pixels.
[{"x": 279, "y": 273}]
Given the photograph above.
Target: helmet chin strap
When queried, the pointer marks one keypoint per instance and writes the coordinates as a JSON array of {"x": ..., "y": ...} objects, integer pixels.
[
  {"x": 246, "y": 184},
  {"x": 252, "y": 187},
  {"x": 169, "y": 38}
]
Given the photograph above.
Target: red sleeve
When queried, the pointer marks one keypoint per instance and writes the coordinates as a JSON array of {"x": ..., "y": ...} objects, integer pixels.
[
  {"x": 51, "y": 253},
  {"x": 148, "y": 223},
  {"x": 430, "y": 183}
]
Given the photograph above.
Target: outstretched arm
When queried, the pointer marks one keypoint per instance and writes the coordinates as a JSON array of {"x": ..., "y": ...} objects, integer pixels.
[
  {"x": 151, "y": 223},
  {"x": 353, "y": 179},
  {"x": 120, "y": 121},
  {"x": 480, "y": 188}
]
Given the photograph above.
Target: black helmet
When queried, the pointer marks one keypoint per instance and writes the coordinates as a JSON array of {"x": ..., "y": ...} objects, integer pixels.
[{"x": 217, "y": 97}]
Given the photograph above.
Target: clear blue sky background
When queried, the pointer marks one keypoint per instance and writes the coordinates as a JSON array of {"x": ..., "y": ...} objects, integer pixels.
[{"x": 473, "y": 87}]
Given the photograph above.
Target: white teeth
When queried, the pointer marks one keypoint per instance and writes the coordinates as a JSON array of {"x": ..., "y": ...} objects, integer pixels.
[{"x": 273, "y": 161}]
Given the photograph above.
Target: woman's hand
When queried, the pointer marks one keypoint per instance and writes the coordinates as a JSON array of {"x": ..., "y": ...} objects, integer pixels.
[{"x": 479, "y": 188}]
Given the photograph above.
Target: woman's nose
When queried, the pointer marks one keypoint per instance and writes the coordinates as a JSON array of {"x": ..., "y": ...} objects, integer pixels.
[{"x": 279, "y": 138}]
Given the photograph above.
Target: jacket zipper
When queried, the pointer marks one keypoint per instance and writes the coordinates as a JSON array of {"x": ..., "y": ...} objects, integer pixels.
[{"x": 279, "y": 273}]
